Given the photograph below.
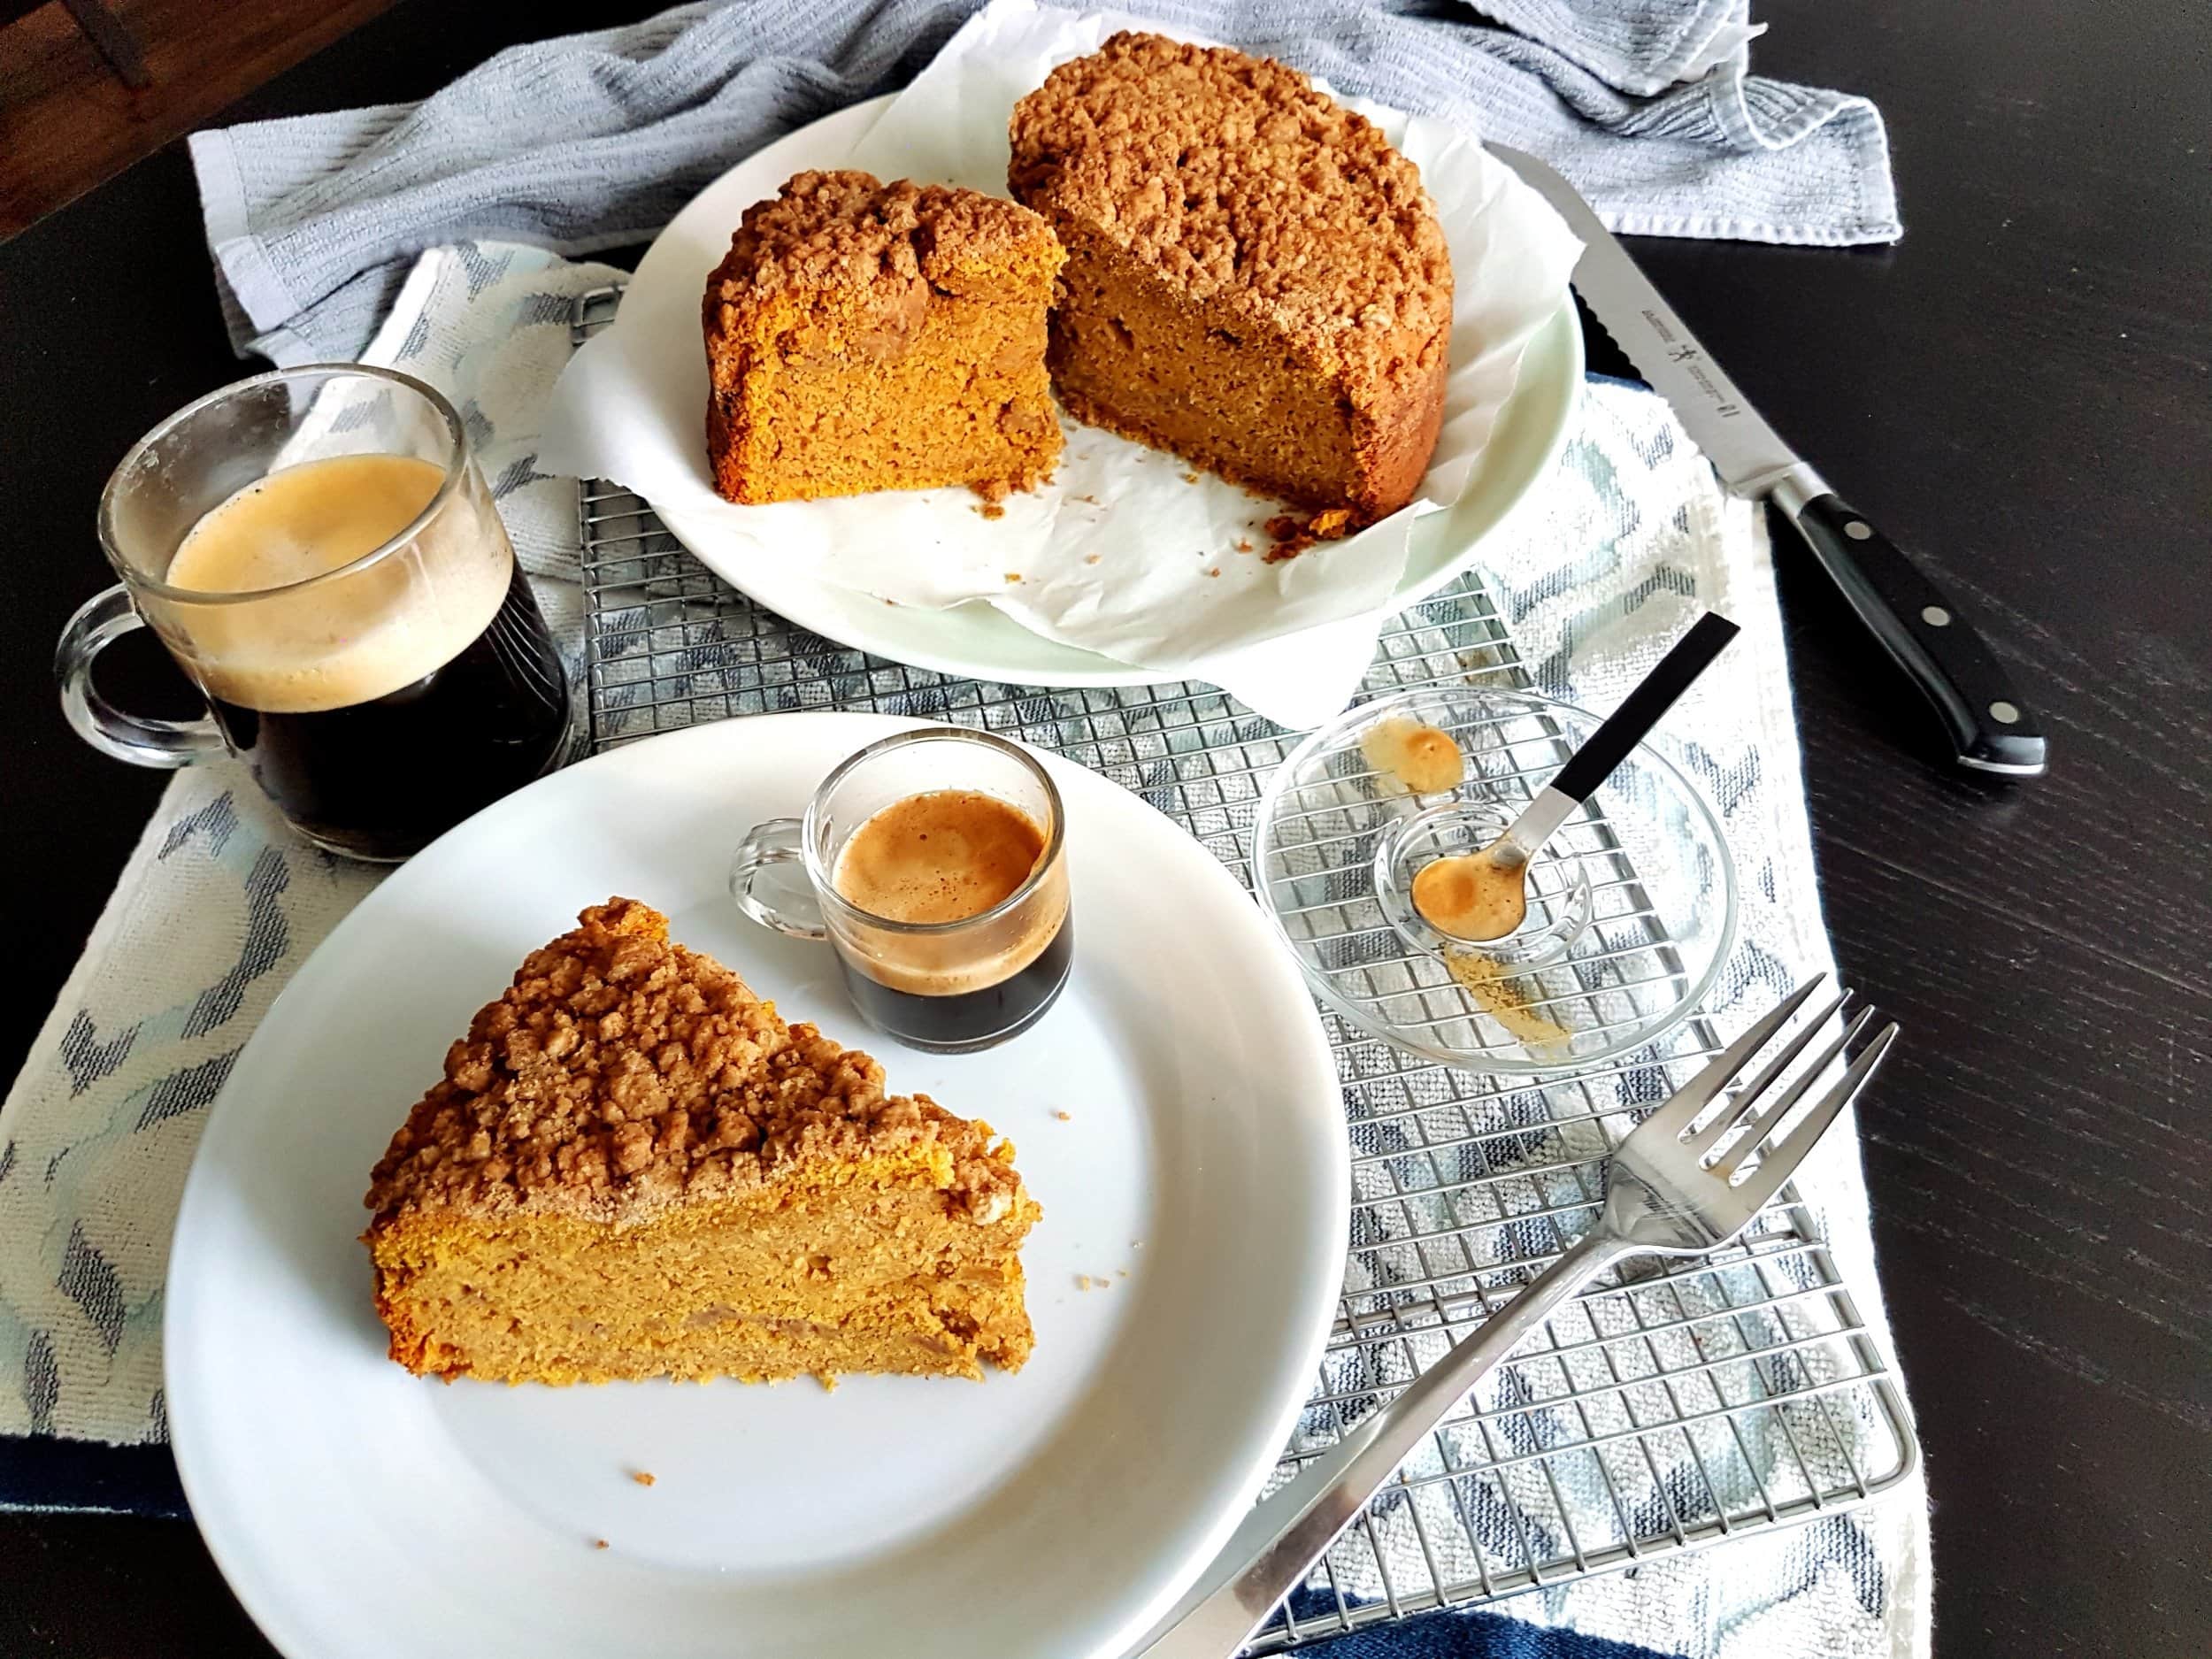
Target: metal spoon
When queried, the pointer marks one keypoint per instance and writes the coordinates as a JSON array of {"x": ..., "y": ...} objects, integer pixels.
[{"x": 1482, "y": 896}]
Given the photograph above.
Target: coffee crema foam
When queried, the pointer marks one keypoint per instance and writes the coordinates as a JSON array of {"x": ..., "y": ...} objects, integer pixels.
[
  {"x": 353, "y": 639},
  {"x": 946, "y": 856}
]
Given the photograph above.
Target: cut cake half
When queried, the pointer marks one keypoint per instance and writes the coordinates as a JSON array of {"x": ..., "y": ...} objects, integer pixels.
[
  {"x": 1254, "y": 280},
  {"x": 864, "y": 336},
  {"x": 633, "y": 1168}
]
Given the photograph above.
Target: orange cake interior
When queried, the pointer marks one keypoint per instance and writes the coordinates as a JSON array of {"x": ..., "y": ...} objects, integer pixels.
[
  {"x": 1255, "y": 280},
  {"x": 633, "y": 1168},
  {"x": 864, "y": 336}
]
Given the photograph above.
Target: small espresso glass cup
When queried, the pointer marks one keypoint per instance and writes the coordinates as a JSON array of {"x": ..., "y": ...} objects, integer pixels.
[
  {"x": 318, "y": 552},
  {"x": 951, "y": 985}
]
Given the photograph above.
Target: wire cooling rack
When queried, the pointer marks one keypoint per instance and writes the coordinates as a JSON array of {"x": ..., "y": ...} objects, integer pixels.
[{"x": 1654, "y": 1415}]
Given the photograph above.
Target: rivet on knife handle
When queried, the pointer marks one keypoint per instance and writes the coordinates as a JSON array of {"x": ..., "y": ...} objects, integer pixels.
[{"x": 1991, "y": 728}]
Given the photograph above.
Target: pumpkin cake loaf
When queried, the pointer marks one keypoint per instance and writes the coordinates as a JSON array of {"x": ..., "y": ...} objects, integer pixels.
[
  {"x": 1255, "y": 280},
  {"x": 864, "y": 336},
  {"x": 633, "y": 1167}
]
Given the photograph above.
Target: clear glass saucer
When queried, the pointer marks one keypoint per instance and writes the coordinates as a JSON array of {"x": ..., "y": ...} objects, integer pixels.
[{"x": 1632, "y": 905}]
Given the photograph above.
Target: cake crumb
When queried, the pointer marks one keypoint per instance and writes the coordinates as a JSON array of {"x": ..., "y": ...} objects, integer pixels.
[
  {"x": 1092, "y": 500},
  {"x": 1090, "y": 559},
  {"x": 1064, "y": 1116},
  {"x": 1190, "y": 477},
  {"x": 1244, "y": 544},
  {"x": 1294, "y": 535},
  {"x": 988, "y": 509},
  {"x": 644, "y": 1478},
  {"x": 1215, "y": 571},
  {"x": 1013, "y": 576},
  {"x": 1082, "y": 1281},
  {"x": 599, "y": 1543}
]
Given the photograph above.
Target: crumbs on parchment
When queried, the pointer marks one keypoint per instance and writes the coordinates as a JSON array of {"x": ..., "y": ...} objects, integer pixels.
[{"x": 1294, "y": 535}]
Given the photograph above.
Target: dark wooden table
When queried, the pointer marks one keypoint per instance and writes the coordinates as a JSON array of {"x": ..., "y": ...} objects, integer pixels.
[{"x": 2020, "y": 391}]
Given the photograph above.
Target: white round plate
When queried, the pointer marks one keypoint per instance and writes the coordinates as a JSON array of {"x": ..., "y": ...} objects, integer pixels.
[
  {"x": 976, "y": 640},
  {"x": 361, "y": 1512}
]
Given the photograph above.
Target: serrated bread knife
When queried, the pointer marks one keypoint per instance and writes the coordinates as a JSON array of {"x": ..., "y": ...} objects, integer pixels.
[{"x": 1990, "y": 727}]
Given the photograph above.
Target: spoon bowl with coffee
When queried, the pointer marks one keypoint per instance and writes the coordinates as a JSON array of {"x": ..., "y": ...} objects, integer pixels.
[{"x": 1482, "y": 896}]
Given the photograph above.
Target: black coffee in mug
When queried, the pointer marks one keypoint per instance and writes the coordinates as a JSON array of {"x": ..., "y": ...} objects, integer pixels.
[
  {"x": 317, "y": 548},
  {"x": 380, "y": 709}
]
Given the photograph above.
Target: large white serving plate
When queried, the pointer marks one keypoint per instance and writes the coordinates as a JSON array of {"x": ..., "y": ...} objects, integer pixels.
[
  {"x": 357, "y": 1510},
  {"x": 975, "y": 639}
]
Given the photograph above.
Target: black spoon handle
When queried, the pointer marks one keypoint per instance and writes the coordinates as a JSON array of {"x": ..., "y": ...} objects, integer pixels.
[
  {"x": 1991, "y": 729},
  {"x": 1655, "y": 693}
]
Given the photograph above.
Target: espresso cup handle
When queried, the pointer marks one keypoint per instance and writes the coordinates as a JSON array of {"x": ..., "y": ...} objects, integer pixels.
[
  {"x": 167, "y": 744},
  {"x": 774, "y": 842}
]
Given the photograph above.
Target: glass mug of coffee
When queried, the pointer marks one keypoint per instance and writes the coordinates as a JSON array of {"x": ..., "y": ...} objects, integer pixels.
[
  {"x": 938, "y": 872},
  {"x": 316, "y": 549}
]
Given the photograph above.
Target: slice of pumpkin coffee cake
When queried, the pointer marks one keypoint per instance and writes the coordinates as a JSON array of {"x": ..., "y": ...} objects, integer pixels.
[{"x": 633, "y": 1167}]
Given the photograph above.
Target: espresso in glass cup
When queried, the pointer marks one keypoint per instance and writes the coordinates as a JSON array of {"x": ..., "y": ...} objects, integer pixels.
[
  {"x": 318, "y": 550},
  {"x": 936, "y": 866}
]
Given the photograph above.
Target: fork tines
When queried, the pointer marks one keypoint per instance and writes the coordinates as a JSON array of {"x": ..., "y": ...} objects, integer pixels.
[{"x": 1758, "y": 1119}]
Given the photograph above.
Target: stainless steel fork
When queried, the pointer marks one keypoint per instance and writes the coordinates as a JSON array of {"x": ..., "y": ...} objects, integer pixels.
[{"x": 1676, "y": 1186}]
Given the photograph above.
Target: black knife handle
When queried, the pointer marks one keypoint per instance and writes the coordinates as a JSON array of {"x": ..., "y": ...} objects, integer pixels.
[
  {"x": 1652, "y": 696},
  {"x": 1991, "y": 728}
]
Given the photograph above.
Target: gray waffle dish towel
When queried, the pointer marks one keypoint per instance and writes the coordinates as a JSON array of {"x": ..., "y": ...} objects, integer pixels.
[{"x": 595, "y": 141}]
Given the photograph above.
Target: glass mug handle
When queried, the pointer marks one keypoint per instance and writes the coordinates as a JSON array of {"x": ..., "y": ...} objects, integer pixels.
[
  {"x": 143, "y": 741},
  {"x": 774, "y": 842}
]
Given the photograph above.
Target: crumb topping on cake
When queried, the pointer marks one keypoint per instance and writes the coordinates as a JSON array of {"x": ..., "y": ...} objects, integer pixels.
[
  {"x": 849, "y": 229},
  {"x": 621, "y": 1073},
  {"x": 1232, "y": 177}
]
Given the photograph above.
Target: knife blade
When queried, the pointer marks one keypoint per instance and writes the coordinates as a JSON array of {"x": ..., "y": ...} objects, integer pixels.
[{"x": 1990, "y": 726}]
